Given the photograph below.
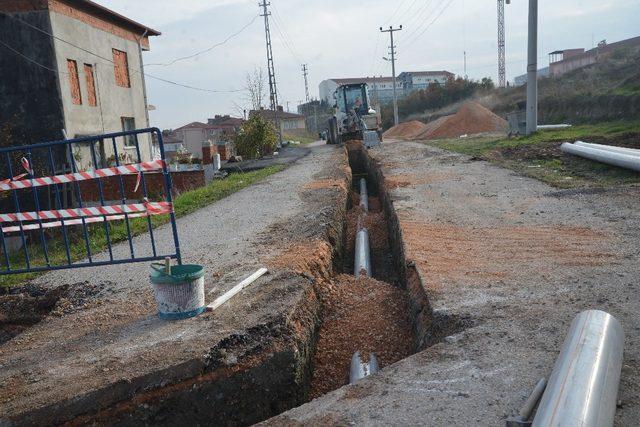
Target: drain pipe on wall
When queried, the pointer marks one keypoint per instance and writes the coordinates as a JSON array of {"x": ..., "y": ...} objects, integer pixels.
[{"x": 583, "y": 386}]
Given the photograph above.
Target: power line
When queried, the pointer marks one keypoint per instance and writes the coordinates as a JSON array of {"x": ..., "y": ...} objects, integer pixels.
[
  {"x": 209, "y": 49},
  {"x": 111, "y": 61},
  {"x": 430, "y": 23},
  {"x": 33, "y": 61},
  {"x": 286, "y": 40}
]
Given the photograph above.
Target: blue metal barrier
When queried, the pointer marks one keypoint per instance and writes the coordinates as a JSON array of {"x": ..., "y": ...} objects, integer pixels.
[{"x": 51, "y": 240}]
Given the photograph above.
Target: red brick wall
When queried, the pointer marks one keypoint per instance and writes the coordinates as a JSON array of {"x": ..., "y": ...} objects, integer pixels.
[
  {"x": 182, "y": 181},
  {"x": 207, "y": 154}
]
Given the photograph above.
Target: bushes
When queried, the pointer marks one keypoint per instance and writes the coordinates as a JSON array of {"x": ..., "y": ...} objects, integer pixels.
[{"x": 256, "y": 138}]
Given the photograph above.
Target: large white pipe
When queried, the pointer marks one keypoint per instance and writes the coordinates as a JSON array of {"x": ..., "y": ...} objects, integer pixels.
[
  {"x": 583, "y": 386},
  {"x": 362, "y": 264},
  {"x": 359, "y": 369},
  {"x": 612, "y": 148},
  {"x": 364, "y": 195},
  {"x": 627, "y": 161}
]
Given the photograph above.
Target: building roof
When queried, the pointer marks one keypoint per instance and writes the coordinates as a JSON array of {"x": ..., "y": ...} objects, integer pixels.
[
  {"x": 347, "y": 81},
  {"x": 269, "y": 114},
  {"x": 428, "y": 73},
  {"x": 603, "y": 48},
  {"x": 225, "y": 120},
  {"x": 103, "y": 12},
  {"x": 196, "y": 125}
]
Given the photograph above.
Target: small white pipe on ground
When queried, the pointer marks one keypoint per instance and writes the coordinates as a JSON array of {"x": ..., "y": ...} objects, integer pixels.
[
  {"x": 583, "y": 387},
  {"x": 627, "y": 161},
  {"x": 552, "y": 127},
  {"x": 236, "y": 289},
  {"x": 362, "y": 263},
  {"x": 612, "y": 148},
  {"x": 364, "y": 195}
]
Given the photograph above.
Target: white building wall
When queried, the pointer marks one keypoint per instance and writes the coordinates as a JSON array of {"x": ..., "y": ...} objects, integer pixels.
[
  {"x": 327, "y": 87},
  {"x": 113, "y": 101},
  {"x": 192, "y": 139}
]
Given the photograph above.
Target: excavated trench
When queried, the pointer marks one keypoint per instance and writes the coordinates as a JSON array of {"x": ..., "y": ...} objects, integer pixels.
[{"x": 305, "y": 352}]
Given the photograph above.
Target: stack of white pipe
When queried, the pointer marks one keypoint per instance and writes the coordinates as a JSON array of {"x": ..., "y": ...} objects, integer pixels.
[{"x": 628, "y": 158}]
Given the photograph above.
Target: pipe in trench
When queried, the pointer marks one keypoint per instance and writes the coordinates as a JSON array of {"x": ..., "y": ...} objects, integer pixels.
[
  {"x": 364, "y": 195},
  {"x": 626, "y": 161},
  {"x": 583, "y": 386},
  {"x": 362, "y": 262},
  {"x": 359, "y": 369},
  {"x": 612, "y": 148}
]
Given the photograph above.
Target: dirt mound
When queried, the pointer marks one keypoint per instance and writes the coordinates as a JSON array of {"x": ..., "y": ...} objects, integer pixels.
[
  {"x": 471, "y": 118},
  {"x": 407, "y": 130}
]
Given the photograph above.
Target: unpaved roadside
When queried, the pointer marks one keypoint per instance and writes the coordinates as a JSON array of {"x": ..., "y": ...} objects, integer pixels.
[{"x": 517, "y": 259}]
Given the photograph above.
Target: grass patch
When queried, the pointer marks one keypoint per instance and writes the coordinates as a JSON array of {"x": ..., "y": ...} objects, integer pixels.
[
  {"x": 539, "y": 155},
  {"x": 96, "y": 239}
]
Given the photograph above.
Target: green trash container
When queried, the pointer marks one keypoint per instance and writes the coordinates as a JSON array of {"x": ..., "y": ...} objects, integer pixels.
[{"x": 180, "y": 294}]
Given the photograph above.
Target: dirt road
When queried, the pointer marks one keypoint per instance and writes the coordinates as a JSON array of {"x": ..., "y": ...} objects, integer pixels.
[{"x": 511, "y": 259}]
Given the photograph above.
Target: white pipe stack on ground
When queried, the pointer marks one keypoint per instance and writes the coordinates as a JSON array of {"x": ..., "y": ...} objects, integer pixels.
[
  {"x": 619, "y": 159},
  {"x": 364, "y": 195},
  {"x": 612, "y": 148},
  {"x": 552, "y": 127},
  {"x": 583, "y": 387},
  {"x": 362, "y": 263}
]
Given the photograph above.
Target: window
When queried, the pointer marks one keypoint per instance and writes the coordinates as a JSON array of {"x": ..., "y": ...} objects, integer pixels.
[
  {"x": 129, "y": 123},
  {"x": 121, "y": 68},
  {"x": 91, "y": 85},
  {"x": 74, "y": 82}
]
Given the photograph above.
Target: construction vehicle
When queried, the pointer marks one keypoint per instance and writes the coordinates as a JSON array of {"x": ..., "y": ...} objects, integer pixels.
[{"x": 353, "y": 117}]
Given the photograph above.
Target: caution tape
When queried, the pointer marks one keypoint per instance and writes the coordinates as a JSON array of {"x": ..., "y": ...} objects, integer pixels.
[
  {"x": 150, "y": 207},
  {"x": 91, "y": 220},
  {"x": 82, "y": 176}
]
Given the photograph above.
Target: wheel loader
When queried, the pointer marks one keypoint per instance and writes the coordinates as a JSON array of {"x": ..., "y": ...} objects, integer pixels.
[{"x": 353, "y": 117}]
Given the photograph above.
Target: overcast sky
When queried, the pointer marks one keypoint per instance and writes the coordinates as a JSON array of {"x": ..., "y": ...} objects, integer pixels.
[{"x": 339, "y": 38}]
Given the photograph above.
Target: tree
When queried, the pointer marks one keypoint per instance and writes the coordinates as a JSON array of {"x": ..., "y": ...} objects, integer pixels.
[
  {"x": 255, "y": 87},
  {"x": 257, "y": 137}
]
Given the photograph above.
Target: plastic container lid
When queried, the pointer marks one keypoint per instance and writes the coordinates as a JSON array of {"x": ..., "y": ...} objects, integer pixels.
[{"x": 179, "y": 274}]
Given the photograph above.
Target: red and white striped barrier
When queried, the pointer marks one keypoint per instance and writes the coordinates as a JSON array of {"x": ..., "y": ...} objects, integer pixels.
[
  {"x": 95, "y": 219},
  {"x": 151, "y": 207},
  {"x": 82, "y": 176}
]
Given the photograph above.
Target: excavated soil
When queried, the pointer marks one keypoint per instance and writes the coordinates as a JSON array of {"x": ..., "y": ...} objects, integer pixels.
[
  {"x": 484, "y": 255},
  {"x": 472, "y": 118},
  {"x": 407, "y": 130},
  {"x": 363, "y": 315}
]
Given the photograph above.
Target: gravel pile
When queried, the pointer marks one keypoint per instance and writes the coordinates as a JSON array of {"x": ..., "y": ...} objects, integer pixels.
[
  {"x": 407, "y": 130},
  {"x": 472, "y": 118}
]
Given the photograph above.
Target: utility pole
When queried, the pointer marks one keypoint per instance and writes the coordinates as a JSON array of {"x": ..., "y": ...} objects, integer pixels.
[
  {"x": 305, "y": 72},
  {"x": 465, "y": 65},
  {"x": 502, "y": 79},
  {"x": 532, "y": 69},
  {"x": 391, "y": 30},
  {"x": 273, "y": 90}
]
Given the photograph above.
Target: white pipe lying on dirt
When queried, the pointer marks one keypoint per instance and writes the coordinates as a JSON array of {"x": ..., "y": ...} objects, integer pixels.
[
  {"x": 583, "y": 386},
  {"x": 552, "y": 127},
  {"x": 237, "y": 288},
  {"x": 362, "y": 263},
  {"x": 360, "y": 370},
  {"x": 364, "y": 195},
  {"x": 627, "y": 161},
  {"x": 612, "y": 148}
]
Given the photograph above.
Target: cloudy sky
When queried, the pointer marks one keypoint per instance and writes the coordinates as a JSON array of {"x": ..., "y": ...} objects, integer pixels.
[{"x": 339, "y": 38}]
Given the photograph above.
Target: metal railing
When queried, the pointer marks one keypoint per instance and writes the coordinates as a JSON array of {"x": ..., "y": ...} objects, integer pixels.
[{"x": 43, "y": 209}]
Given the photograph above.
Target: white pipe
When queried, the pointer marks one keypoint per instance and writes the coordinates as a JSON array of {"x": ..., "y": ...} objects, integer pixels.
[
  {"x": 362, "y": 262},
  {"x": 237, "y": 288},
  {"x": 360, "y": 369},
  {"x": 611, "y": 158},
  {"x": 612, "y": 148},
  {"x": 583, "y": 386},
  {"x": 364, "y": 195},
  {"x": 552, "y": 127}
]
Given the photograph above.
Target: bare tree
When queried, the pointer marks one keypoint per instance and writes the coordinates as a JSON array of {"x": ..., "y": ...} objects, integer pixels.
[{"x": 256, "y": 88}]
